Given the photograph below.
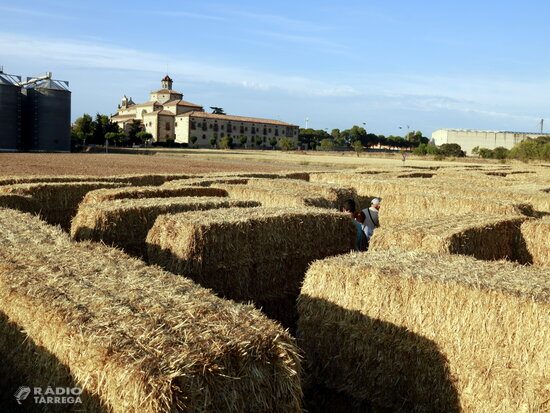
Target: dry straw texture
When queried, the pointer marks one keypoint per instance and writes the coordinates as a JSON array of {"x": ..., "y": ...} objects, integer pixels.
[
  {"x": 334, "y": 194},
  {"x": 23, "y": 203},
  {"x": 58, "y": 201},
  {"x": 486, "y": 237},
  {"x": 423, "y": 332},
  {"x": 537, "y": 238},
  {"x": 134, "y": 337},
  {"x": 257, "y": 254},
  {"x": 280, "y": 197},
  {"x": 134, "y": 179},
  {"x": 101, "y": 195},
  {"x": 398, "y": 208},
  {"x": 125, "y": 222},
  {"x": 204, "y": 182}
]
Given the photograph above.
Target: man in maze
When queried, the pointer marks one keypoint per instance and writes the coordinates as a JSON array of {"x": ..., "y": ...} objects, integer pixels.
[{"x": 371, "y": 217}]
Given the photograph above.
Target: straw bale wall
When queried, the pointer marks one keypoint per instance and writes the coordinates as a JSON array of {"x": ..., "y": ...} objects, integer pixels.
[
  {"x": 399, "y": 208},
  {"x": 22, "y": 203},
  {"x": 58, "y": 201},
  {"x": 205, "y": 182},
  {"x": 423, "y": 332},
  {"x": 124, "y": 223},
  {"x": 101, "y": 195},
  {"x": 134, "y": 337},
  {"x": 335, "y": 194},
  {"x": 537, "y": 238},
  {"x": 258, "y": 254},
  {"x": 279, "y": 197},
  {"x": 485, "y": 237}
]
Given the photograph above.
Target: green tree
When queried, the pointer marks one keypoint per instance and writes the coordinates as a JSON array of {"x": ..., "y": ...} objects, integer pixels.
[
  {"x": 326, "y": 144},
  {"x": 273, "y": 142},
  {"x": 226, "y": 143},
  {"x": 83, "y": 128},
  {"x": 258, "y": 141},
  {"x": 486, "y": 153},
  {"x": 451, "y": 149},
  {"x": 217, "y": 111},
  {"x": 243, "y": 140},
  {"x": 538, "y": 148},
  {"x": 115, "y": 138},
  {"x": 358, "y": 147},
  {"x": 134, "y": 128},
  {"x": 101, "y": 126},
  {"x": 432, "y": 149},
  {"x": 500, "y": 152},
  {"x": 475, "y": 150},
  {"x": 335, "y": 133},
  {"x": 142, "y": 137},
  {"x": 312, "y": 137},
  {"x": 213, "y": 142},
  {"x": 286, "y": 144},
  {"x": 420, "y": 149},
  {"x": 193, "y": 140}
]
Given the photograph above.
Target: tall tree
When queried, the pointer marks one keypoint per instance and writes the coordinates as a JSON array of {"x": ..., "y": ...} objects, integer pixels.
[{"x": 217, "y": 111}]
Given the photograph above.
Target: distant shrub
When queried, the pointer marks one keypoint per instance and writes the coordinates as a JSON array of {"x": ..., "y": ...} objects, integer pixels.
[{"x": 451, "y": 149}]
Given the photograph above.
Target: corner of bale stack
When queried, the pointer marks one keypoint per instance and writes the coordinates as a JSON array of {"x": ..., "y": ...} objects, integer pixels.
[
  {"x": 536, "y": 235},
  {"x": 417, "y": 331},
  {"x": 21, "y": 203},
  {"x": 483, "y": 236},
  {"x": 258, "y": 254},
  {"x": 124, "y": 223},
  {"x": 159, "y": 344}
]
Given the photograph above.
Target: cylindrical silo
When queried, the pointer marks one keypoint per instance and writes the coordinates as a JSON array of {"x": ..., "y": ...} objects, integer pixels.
[
  {"x": 10, "y": 114},
  {"x": 47, "y": 116}
]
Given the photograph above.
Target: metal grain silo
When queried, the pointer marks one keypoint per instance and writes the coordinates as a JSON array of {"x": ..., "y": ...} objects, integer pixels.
[
  {"x": 10, "y": 113},
  {"x": 46, "y": 115}
]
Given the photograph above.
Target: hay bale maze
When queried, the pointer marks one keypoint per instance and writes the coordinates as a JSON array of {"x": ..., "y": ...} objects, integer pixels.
[
  {"x": 133, "y": 337},
  {"x": 124, "y": 223},
  {"x": 485, "y": 237},
  {"x": 423, "y": 332},
  {"x": 57, "y": 201},
  {"x": 252, "y": 254}
]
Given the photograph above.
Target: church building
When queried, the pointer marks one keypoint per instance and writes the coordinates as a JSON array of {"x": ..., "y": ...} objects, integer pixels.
[{"x": 168, "y": 117}]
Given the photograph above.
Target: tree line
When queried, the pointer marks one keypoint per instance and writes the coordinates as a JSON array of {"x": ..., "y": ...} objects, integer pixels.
[
  {"x": 89, "y": 131},
  {"x": 528, "y": 149}
]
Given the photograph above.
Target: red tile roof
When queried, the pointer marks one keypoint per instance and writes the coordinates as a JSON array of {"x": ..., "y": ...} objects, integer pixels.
[
  {"x": 180, "y": 102},
  {"x": 235, "y": 118},
  {"x": 173, "y": 92}
]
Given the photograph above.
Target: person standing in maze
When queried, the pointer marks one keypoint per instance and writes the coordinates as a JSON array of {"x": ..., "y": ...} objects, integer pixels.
[
  {"x": 371, "y": 217},
  {"x": 361, "y": 241}
]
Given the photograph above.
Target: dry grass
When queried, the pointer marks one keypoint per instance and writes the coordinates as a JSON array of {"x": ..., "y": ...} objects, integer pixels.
[
  {"x": 22, "y": 203},
  {"x": 485, "y": 237},
  {"x": 125, "y": 222},
  {"x": 136, "y": 338},
  {"x": 258, "y": 254},
  {"x": 422, "y": 332},
  {"x": 102, "y": 195},
  {"x": 57, "y": 201},
  {"x": 205, "y": 181},
  {"x": 537, "y": 237}
]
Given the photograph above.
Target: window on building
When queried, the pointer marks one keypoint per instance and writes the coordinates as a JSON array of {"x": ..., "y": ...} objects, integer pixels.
[
  {"x": 229, "y": 128},
  {"x": 167, "y": 126},
  {"x": 210, "y": 126},
  {"x": 222, "y": 127},
  {"x": 176, "y": 124},
  {"x": 264, "y": 139},
  {"x": 222, "y": 134},
  {"x": 204, "y": 136},
  {"x": 241, "y": 129},
  {"x": 253, "y": 129},
  {"x": 276, "y": 132},
  {"x": 215, "y": 134},
  {"x": 216, "y": 127},
  {"x": 269, "y": 130},
  {"x": 204, "y": 126},
  {"x": 246, "y": 129},
  {"x": 193, "y": 125},
  {"x": 265, "y": 131}
]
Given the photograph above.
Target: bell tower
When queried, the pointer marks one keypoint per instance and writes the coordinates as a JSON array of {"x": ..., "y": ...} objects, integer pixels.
[{"x": 167, "y": 83}]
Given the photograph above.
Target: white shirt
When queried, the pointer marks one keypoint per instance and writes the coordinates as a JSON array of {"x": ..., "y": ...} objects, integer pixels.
[{"x": 371, "y": 224}]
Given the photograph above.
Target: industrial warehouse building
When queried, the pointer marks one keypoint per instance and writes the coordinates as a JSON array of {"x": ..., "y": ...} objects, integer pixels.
[
  {"x": 469, "y": 139},
  {"x": 168, "y": 117},
  {"x": 35, "y": 114}
]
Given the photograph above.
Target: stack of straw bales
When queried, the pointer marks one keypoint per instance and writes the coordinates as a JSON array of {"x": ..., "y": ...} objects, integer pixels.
[
  {"x": 417, "y": 331},
  {"x": 58, "y": 201},
  {"x": 280, "y": 197},
  {"x": 135, "y": 338},
  {"x": 206, "y": 181},
  {"x": 133, "y": 179},
  {"x": 408, "y": 206},
  {"x": 101, "y": 195},
  {"x": 486, "y": 237},
  {"x": 258, "y": 254},
  {"x": 124, "y": 223},
  {"x": 22, "y": 203},
  {"x": 334, "y": 194},
  {"x": 536, "y": 234}
]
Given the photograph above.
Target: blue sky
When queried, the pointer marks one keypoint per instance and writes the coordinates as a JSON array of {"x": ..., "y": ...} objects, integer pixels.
[{"x": 425, "y": 64}]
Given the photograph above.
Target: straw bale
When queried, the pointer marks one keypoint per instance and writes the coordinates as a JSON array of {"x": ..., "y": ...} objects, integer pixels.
[
  {"x": 58, "y": 201},
  {"x": 484, "y": 236},
  {"x": 424, "y": 332},
  {"x": 399, "y": 208},
  {"x": 22, "y": 203},
  {"x": 279, "y": 197},
  {"x": 137, "y": 338},
  {"x": 101, "y": 195},
  {"x": 536, "y": 234},
  {"x": 205, "y": 182},
  {"x": 258, "y": 254},
  {"x": 335, "y": 194},
  {"x": 31, "y": 179},
  {"x": 416, "y": 175},
  {"x": 124, "y": 223},
  {"x": 149, "y": 179}
]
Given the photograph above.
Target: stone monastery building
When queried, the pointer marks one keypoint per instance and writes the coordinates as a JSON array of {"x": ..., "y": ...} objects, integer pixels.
[{"x": 168, "y": 117}]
